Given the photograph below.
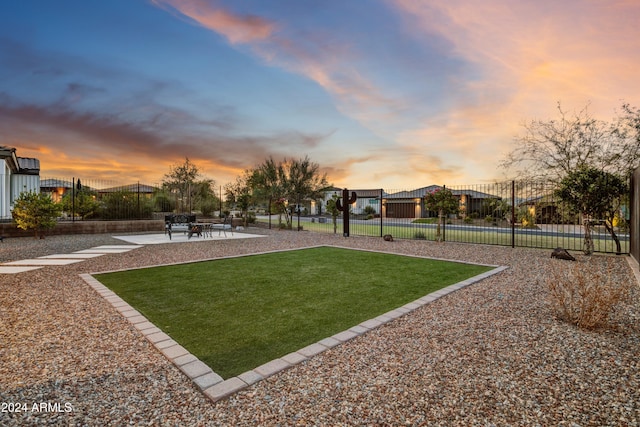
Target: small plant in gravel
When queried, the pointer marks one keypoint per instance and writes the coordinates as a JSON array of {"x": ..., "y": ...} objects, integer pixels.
[
  {"x": 419, "y": 235},
  {"x": 35, "y": 211},
  {"x": 585, "y": 294}
]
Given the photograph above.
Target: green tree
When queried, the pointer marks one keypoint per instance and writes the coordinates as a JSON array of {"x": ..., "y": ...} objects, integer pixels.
[
  {"x": 203, "y": 196},
  {"x": 180, "y": 181},
  {"x": 300, "y": 179},
  {"x": 495, "y": 207},
  {"x": 162, "y": 201},
  {"x": 86, "y": 204},
  {"x": 35, "y": 211},
  {"x": 595, "y": 195},
  {"x": 125, "y": 204},
  {"x": 333, "y": 210},
  {"x": 265, "y": 183},
  {"x": 239, "y": 194},
  {"x": 443, "y": 201},
  {"x": 285, "y": 184}
]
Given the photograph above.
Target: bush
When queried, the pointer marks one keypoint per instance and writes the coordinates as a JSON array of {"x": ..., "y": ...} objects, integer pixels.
[
  {"x": 468, "y": 220},
  {"x": 35, "y": 211},
  {"x": 583, "y": 294},
  {"x": 208, "y": 207},
  {"x": 419, "y": 235},
  {"x": 369, "y": 210}
]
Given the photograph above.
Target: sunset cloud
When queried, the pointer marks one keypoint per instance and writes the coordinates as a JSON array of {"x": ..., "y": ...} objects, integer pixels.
[
  {"x": 392, "y": 94},
  {"x": 236, "y": 28},
  {"x": 317, "y": 55}
]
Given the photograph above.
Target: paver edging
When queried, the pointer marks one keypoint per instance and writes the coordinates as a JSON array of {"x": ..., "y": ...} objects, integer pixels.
[{"x": 214, "y": 387}]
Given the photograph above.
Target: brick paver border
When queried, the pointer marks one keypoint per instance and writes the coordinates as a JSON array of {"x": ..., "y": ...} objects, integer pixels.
[{"x": 213, "y": 385}]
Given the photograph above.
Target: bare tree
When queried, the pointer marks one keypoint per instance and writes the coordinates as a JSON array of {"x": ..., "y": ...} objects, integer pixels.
[{"x": 551, "y": 149}]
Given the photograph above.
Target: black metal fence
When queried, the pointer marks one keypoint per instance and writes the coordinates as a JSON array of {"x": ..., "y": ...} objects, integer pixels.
[
  {"x": 512, "y": 213},
  {"x": 100, "y": 199},
  {"x": 634, "y": 222}
]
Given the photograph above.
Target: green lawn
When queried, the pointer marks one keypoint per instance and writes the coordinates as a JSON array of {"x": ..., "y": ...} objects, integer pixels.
[
  {"x": 235, "y": 314},
  {"x": 603, "y": 243}
]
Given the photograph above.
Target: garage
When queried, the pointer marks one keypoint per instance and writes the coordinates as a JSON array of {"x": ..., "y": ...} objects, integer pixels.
[{"x": 401, "y": 210}]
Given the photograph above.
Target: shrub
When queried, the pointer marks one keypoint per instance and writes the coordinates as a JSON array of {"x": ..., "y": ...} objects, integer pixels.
[
  {"x": 369, "y": 210},
  {"x": 208, "y": 207},
  {"x": 35, "y": 211},
  {"x": 468, "y": 220},
  {"x": 419, "y": 235},
  {"x": 583, "y": 294}
]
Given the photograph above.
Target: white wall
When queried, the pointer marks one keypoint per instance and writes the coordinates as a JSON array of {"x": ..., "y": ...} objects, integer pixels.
[{"x": 11, "y": 185}]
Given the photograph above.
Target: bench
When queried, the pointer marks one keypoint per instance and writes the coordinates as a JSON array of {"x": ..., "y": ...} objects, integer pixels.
[
  {"x": 179, "y": 222},
  {"x": 223, "y": 226}
]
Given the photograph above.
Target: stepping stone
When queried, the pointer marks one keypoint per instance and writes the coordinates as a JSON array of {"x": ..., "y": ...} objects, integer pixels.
[
  {"x": 15, "y": 270},
  {"x": 41, "y": 261},
  {"x": 102, "y": 251},
  {"x": 71, "y": 256}
]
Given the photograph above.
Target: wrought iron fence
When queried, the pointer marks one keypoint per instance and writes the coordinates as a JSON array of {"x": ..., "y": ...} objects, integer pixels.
[
  {"x": 101, "y": 199},
  {"x": 512, "y": 213},
  {"x": 634, "y": 223}
]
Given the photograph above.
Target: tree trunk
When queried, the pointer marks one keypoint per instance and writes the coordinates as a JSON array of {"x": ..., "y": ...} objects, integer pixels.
[
  {"x": 588, "y": 240},
  {"x": 614, "y": 236},
  {"x": 438, "y": 235}
]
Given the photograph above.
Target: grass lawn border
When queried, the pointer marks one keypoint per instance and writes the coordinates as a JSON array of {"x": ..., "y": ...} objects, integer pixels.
[{"x": 213, "y": 385}]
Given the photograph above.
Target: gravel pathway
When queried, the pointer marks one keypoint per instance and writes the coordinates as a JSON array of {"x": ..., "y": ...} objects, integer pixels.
[{"x": 491, "y": 354}]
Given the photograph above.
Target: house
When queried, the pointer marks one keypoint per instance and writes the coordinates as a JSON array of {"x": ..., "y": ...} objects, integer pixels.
[
  {"x": 406, "y": 204},
  {"x": 410, "y": 204},
  {"x": 143, "y": 190},
  {"x": 55, "y": 188},
  {"x": 17, "y": 175}
]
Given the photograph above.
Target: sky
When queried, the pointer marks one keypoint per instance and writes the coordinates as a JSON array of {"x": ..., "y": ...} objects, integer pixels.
[{"x": 380, "y": 93}]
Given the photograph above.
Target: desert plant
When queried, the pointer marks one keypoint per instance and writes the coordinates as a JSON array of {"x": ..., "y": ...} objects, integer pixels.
[
  {"x": 419, "y": 235},
  {"x": 584, "y": 294},
  {"x": 35, "y": 211},
  {"x": 369, "y": 210}
]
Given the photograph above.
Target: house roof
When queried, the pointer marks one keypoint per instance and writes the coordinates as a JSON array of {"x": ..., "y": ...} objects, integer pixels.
[
  {"x": 55, "y": 183},
  {"x": 28, "y": 166},
  {"x": 367, "y": 193},
  {"x": 419, "y": 193},
  {"x": 8, "y": 154},
  {"x": 412, "y": 194},
  {"x": 359, "y": 193},
  {"x": 19, "y": 165},
  {"x": 133, "y": 188}
]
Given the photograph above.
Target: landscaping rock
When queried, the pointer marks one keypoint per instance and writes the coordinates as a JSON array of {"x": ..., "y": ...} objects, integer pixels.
[{"x": 562, "y": 253}]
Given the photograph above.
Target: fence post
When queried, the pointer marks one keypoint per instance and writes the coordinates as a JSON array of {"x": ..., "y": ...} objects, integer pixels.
[
  {"x": 380, "y": 207},
  {"x": 139, "y": 212},
  {"x": 513, "y": 214},
  {"x": 444, "y": 220},
  {"x": 73, "y": 199}
]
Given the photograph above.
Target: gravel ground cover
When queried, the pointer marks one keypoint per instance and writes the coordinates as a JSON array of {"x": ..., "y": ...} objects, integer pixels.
[{"x": 490, "y": 354}]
